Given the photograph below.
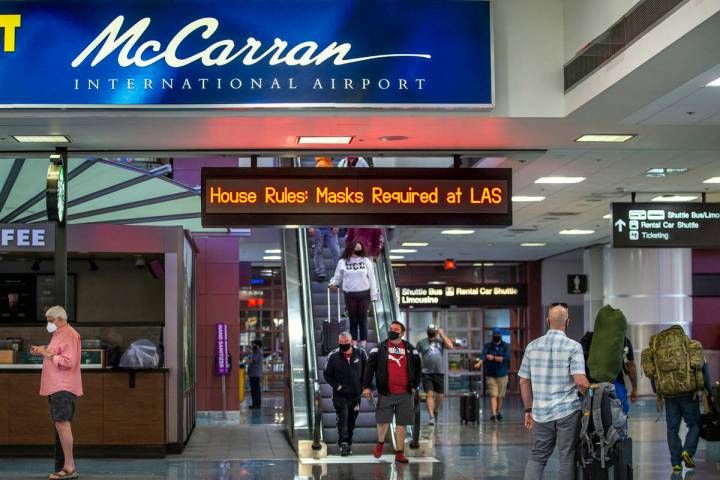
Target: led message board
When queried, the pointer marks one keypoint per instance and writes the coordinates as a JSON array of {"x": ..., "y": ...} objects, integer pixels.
[{"x": 350, "y": 197}]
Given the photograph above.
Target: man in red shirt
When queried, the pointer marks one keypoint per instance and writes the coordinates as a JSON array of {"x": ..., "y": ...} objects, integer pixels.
[{"x": 397, "y": 368}]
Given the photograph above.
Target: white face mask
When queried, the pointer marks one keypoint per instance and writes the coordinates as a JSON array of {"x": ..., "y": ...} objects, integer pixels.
[{"x": 51, "y": 327}]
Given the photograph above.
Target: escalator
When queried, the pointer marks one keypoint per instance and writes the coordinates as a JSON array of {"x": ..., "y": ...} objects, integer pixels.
[{"x": 309, "y": 413}]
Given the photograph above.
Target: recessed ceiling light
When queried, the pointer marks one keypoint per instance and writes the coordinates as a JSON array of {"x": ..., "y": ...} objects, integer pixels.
[
  {"x": 618, "y": 137},
  {"x": 415, "y": 244},
  {"x": 712, "y": 180},
  {"x": 396, "y": 265},
  {"x": 483, "y": 264},
  {"x": 403, "y": 250},
  {"x": 272, "y": 257},
  {"x": 675, "y": 198},
  {"x": 274, "y": 250},
  {"x": 533, "y": 244},
  {"x": 577, "y": 231},
  {"x": 527, "y": 198},
  {"x": 437, "y": 282},
  {"x": 458, "y": 232},
  {"x": 396, "y": 257},
  {"x": 659, "y": 172},
  {"x": 607, "y": 217},
  {"x": 41, "y": 138},
  {"x": 560, "y": 180},
  {"x": 714, "y": 83},
  {"x": 324, "y": 140}
]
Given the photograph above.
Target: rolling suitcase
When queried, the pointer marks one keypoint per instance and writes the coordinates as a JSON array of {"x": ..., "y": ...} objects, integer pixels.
[
  {"x": 332, "y": 328},
  {"x": 618, "y": 468},
  {"x": 470, "y": 408}
]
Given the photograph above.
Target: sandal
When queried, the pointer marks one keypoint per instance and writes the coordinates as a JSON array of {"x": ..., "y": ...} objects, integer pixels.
[{"x": 64, "y": 475}]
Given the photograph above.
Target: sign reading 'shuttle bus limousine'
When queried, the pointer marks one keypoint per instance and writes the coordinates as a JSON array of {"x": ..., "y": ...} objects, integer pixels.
[
  {"x": 224, "y": 53},
  {"x": 356, "y": 196}
]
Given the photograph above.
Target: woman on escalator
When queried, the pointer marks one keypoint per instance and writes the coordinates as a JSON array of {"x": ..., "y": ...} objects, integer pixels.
[{"x": 355, "y": 274}]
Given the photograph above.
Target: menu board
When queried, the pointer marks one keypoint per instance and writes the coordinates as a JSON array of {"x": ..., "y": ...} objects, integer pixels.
[
  {"x": 17, "y": 292},
  {"x": 46, "y": 296}
]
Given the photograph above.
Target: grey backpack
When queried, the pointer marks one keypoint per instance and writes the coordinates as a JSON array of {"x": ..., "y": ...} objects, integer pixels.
[{"x": 603, "y": 424}]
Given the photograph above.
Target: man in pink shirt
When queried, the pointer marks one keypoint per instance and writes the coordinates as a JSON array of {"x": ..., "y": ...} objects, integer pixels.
[{"x": 61, "y": 383}]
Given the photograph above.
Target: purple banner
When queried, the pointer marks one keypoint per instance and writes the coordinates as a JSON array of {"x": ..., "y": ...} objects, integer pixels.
[{"x": 221, "y": 349}]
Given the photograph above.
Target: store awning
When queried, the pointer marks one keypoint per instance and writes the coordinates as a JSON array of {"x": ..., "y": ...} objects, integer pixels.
[{"x": 100, "y": 191}]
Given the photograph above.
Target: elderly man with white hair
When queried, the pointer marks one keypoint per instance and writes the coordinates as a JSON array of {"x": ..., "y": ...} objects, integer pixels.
[
  {"x": 61, "y": 383},
  {"x": 344, "y": 372}
]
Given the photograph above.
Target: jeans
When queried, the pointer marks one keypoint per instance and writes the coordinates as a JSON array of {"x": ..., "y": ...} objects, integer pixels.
[
  {"x": 325, "y": 238},
  {"x": 357, "y": 304},
  {"x": 347, "y": 412},
  {"x": 622, "y": 395},
  {"x": 686, "y": 407},
  {"x": 562, "y": 432},
  {"x": 255, "y": 391}
]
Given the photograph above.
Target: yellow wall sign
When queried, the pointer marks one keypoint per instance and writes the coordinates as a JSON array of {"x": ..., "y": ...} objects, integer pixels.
[{"x": 9, "y": 23}]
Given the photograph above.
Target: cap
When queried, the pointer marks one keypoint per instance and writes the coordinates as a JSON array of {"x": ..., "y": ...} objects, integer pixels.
[
  {"x": 497, "y": 331},
  {"x": 432, "y": 327}
]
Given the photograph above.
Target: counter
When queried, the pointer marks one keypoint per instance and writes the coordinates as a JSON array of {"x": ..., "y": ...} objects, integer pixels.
[{"x": 122, "y": 413}]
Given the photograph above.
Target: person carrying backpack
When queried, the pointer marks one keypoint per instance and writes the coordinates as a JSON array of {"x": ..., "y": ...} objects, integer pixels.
[{"x": 674, "y": 364}]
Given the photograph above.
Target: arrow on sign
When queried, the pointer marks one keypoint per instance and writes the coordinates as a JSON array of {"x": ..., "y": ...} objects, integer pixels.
[{"x": 620, "y": 224}]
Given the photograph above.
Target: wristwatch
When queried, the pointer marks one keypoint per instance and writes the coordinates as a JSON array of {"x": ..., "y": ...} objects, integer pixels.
[{"x": 528, "y": 410}]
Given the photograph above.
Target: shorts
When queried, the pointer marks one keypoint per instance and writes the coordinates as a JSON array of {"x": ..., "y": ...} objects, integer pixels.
[
  {"x": 496, "y": 386},
  {"x": 401, "y": 406},
  {"x": 62, "y": 406},
  {"x": 434, "y": 382}
]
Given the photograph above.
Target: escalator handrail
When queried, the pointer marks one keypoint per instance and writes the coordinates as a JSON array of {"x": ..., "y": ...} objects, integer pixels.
[{"x": 312, "y": 375}]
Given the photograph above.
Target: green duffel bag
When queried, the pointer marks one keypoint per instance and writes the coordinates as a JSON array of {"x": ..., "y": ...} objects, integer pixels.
[{"x": 605, "y": 361}]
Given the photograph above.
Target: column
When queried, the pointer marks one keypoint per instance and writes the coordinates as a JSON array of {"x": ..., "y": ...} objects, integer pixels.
[
  {"x": 653, "y": 287},
  {"x": 593, "y": 299}
]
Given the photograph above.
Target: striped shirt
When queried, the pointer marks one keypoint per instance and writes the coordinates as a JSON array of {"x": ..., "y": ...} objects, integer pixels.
[{"x": 549, "y": 363}]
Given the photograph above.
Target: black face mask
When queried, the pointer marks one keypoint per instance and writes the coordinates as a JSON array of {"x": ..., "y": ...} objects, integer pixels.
[
  {"x": 393, "y": 335},
  {"x": 344, "y": 347},
  {"x": 431, "y": 333},
  {"x": 497, "y": 339}
]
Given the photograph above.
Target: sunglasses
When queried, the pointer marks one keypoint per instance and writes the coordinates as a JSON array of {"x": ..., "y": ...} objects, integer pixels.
[{"x": 559, "y": 304}]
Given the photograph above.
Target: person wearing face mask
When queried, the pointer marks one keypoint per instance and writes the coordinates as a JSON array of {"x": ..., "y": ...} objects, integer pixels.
[
  {"x": 62, "y": 384},
  {"x": 551, "y": 375},
  {"x": 343, "y": 372},
  {"x": 496, "y": 357},
  {"x": 255, "y": 373},
  {"x": 397, "y": 369},
  {"x": 355, "y": 273},
  {"x": 433, "y": 368}
]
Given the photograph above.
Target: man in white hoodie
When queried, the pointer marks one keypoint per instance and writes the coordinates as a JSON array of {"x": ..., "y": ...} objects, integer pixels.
[{"x": 355, "y": 273}]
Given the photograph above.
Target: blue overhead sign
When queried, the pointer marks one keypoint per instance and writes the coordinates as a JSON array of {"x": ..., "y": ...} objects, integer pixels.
[{"x": 251, "y": 53}]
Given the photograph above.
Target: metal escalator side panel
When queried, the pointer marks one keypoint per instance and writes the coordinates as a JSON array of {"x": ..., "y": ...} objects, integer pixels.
[{"x": 300, "y": 335}]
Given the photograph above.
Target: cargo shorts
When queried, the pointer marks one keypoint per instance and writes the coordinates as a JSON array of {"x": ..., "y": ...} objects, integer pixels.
[{"x": 62, "y": 406}]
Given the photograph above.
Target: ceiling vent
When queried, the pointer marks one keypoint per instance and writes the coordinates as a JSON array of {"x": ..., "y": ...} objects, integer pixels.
[{"x": 563, "y": 214}]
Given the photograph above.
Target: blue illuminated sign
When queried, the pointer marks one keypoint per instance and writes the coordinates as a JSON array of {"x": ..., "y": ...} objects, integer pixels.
[{"x": 253, "y": 53}]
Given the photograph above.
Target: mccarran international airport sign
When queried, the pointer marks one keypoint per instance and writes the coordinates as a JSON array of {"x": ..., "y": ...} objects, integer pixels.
[
  {"x": 259, "y": 53},
  {"x": 235, "y": 197}
]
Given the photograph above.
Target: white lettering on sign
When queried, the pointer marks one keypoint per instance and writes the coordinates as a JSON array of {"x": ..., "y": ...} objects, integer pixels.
[
  {"x": 219, "y": 53},
  {"x": 22, "y": 237}
]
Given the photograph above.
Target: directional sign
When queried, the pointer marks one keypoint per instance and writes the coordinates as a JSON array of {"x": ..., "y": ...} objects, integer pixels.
[{"x": 666, "y": 225}]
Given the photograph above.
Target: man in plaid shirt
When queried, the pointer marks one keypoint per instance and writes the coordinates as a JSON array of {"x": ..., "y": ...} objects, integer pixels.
[{"x": 551, "y": 374}]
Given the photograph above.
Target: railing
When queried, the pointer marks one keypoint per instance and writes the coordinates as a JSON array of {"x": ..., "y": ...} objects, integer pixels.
[{"x": 317, "y": 424}]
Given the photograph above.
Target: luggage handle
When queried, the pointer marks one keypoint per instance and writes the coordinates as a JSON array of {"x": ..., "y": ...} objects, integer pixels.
[{"x": 329, "y": 317}]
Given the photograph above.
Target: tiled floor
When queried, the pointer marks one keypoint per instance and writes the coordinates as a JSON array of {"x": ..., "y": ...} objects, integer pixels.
[{"x": 252, "y": 445}]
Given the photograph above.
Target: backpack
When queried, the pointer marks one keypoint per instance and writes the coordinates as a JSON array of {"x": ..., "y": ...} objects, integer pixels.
[
  {"x": 605, "y": 358},
  {"x": 603, "y": 424},
  {"x": 675, "y": 362}
]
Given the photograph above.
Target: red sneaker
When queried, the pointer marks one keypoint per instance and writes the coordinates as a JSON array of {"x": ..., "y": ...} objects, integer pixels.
[
  {"x": 400, "y": 457},
  {"x": 378, "y": 450}
]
